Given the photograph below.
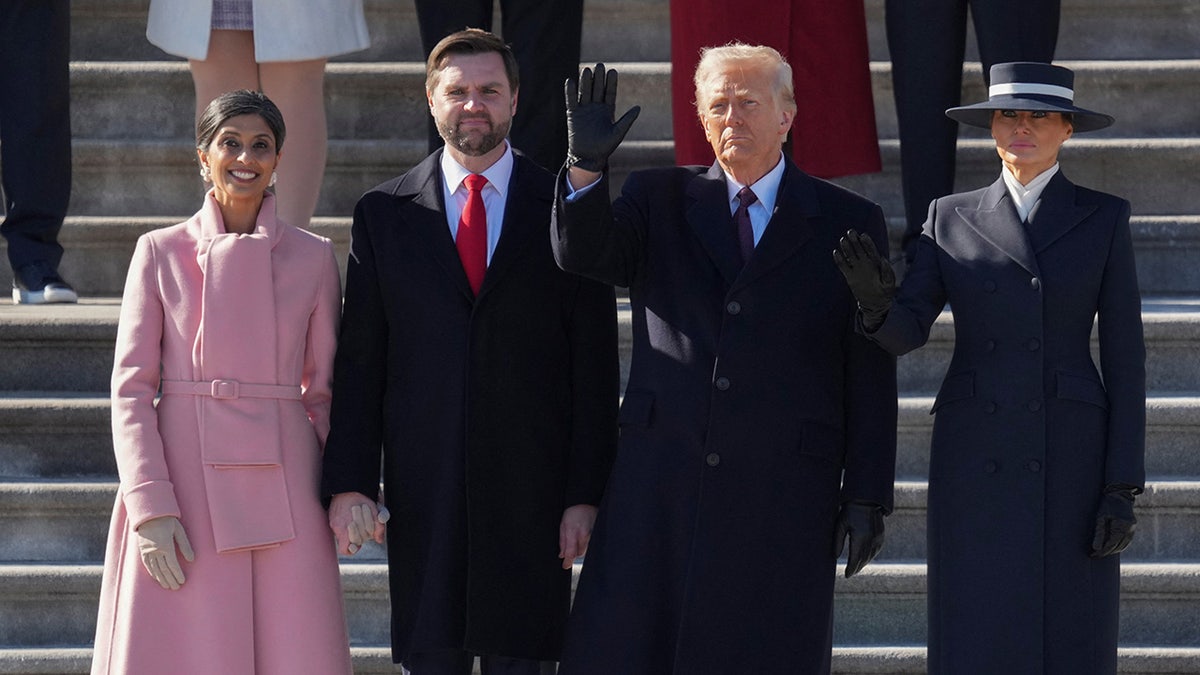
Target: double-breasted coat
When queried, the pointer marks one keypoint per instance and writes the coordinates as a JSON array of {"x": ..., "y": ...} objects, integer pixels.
[
  {"x": 238, "y": 331},
  {"x": 753, "y": 409},
  {"x": 1027, "y": 432},
  {"x": 494, "y": 413}
]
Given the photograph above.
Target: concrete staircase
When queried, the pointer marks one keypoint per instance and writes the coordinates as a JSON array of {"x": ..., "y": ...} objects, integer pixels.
[{"x": 135, "y": 171}]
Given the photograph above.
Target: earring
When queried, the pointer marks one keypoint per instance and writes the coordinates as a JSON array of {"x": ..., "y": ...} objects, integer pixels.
[
  {"x": 205, "y": 174},
  {"x": 274, "y": 177}
]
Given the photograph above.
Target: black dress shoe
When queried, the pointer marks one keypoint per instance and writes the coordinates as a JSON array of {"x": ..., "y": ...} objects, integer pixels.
[{"x": 38, "y": 284}]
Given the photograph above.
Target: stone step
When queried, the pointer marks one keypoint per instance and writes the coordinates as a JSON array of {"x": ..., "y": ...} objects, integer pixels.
[
  {"x": 1168, "y": 529},
  {"x": 69, "y": 348},
  {"x": 886, "y": 605},
  {"x": 387, "y": 100},
  {"x": 48, "y": 521},
  {"x": 1171, "y": 327},
  {"x": 98, "y": 249},
  {"x": 54, "y": 605},
  {"x": 67, "y": 436},
  {"x": 637, "y": 29},
  {"x": 115, "y": 177},
  {"x": 900, "y": 660},
  {"x": 1172, "y": 437}
]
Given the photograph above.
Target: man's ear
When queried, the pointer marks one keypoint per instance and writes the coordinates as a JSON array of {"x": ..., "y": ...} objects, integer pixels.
[{"x": 513, "y": 112}]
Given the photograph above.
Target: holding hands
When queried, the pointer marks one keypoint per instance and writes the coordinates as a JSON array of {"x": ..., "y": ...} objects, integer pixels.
[
  {"x": 592, "y": 136},
  {"x": 355, "y": 519}
]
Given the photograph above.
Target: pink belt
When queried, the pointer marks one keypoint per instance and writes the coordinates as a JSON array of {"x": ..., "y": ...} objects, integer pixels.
[{"x": 225, "y": 389}]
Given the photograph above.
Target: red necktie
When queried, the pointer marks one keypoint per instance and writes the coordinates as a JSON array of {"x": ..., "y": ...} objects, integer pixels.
[
  {"x": 472, "y": 232},
  {"x": 745, "y": 231}
]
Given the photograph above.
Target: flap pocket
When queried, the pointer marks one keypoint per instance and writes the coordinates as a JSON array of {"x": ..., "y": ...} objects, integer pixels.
[
  {"x": 636, "y": 409},
  {"x": 1083, "y": 389},
  {"x": 955, "y": 388}
]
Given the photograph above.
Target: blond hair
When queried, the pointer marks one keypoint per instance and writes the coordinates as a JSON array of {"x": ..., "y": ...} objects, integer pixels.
[{"x": 713, "y": 59}]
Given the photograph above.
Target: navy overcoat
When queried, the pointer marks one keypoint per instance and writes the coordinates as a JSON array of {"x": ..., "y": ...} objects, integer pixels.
[
  {"x": 492, "y": 414},
  {"x": 1028, "y": 432},
  {"x": 753, "y": 409}
]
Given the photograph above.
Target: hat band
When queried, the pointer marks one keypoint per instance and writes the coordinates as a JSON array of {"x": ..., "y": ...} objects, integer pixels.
[{"x": 1009, "y": 88}]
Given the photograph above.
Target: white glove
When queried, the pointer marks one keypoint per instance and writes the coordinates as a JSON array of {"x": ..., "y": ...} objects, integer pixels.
[{"x": 157, "y": 538}]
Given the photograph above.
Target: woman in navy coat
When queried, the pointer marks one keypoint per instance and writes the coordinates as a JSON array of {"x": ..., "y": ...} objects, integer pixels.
[{"x": 1036, "y": 454}]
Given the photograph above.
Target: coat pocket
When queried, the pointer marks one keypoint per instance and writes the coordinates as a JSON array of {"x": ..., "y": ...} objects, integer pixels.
[
  {"x": 1078, "y": 388},
  {"x": 955, "y": 387},
  {"x": 826, "y": 442},
  {"x": 637, "y": 408}
]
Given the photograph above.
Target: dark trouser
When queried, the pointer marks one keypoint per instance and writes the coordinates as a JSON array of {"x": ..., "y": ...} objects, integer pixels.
[
  {"x": 545, "y": 37},
  {"x": 35, "y": 127},
  {"x": 927, "y": 39},
  {"x": 456, "y": 662}
]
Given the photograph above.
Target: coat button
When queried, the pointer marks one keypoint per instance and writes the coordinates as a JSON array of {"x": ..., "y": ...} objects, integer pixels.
[
  {"x": 1035, "y": 283},
  {"x": 989, "y": 286},
  {"x": 713, "y": 459},
  {"x": 1035, "y": 405},
  {"x": 990, "y": 345},
  {"x": 990, "y": 467},
  {"x": 1034, "y": 465},
  {"x": 990, "y": 407},
  {"x": 734, "y": 307},
  {"x": 1034, "y": 344},
  {"x": 722, "y": 383}
]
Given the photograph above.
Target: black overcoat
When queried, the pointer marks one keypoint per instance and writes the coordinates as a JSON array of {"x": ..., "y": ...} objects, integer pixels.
[
  {"x": 753, "y": 409},
  {"x": 493, "y": 414},
  {"x": 1027, "y": 432}
]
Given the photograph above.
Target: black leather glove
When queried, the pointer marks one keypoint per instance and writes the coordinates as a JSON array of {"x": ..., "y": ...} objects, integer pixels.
[
  {"x": 869, "y": 275},
  {"x": 863, "y": 522},
  {"x": 591, "y": 133},
  {"x": 1114, "y": 522}
]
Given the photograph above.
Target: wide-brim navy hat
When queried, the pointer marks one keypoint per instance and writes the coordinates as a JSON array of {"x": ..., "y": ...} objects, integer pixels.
[{"x": 1030, "y": 86}]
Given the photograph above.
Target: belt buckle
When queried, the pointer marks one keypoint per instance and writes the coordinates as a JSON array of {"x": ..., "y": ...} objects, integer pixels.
[{"x": 225, "y": 389}]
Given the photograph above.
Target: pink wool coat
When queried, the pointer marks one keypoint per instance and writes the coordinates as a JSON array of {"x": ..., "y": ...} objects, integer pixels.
[{"x": 263, "y": 595}]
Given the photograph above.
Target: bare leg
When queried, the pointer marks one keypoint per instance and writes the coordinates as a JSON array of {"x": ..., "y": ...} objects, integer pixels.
[
  {"x": 230, "y": 65},
  {"x": 298, "y": 88}
]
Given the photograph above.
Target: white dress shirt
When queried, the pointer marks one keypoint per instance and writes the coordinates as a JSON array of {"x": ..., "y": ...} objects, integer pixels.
[
  {"x": 766, "y": 189},
  {"x": 1025, "y": 197},
  {"x": 495, "y": 194}
]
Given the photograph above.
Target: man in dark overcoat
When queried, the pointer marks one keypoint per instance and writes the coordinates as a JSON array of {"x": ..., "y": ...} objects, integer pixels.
[
  {"x": 494, "y": 405},
  {"x": 757, "y": 427}
]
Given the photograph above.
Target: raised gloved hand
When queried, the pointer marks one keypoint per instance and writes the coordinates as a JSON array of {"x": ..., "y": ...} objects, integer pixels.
[
  {"x": 1114, "y": 522},
  {"x": 869, "y": 275},
  {"x": 157, "y": 538},
  {"x": 863, "y": 523},
  {"x": 591, "y": 133}
]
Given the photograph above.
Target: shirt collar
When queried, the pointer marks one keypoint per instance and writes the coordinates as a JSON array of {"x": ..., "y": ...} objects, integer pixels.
[
  {"x": 498, "y": 174},
  {"x": 1025, "y": 196},
  {"x": 765, "y": 188}
]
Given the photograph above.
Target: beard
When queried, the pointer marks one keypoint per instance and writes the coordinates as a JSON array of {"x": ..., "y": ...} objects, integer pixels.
[{"x": 473, "y": 146}]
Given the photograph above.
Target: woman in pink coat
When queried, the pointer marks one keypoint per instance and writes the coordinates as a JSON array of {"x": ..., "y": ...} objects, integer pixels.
[{"x": 219, "y": 557}]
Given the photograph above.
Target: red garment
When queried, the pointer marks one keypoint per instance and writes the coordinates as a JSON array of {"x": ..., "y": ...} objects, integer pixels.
[{"x": 825, "y": 41}]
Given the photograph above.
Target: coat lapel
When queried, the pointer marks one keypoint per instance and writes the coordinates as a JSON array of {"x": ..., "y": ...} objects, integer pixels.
[
  {"x": 788, "y": 228},
  {"x": 995, "y": 219},
  {"x": 1055, "y": 213},
  {"x": 707, "y": 212},
  {"x": 525, "y": 218},
  {"x": 422, "y": 208}
]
